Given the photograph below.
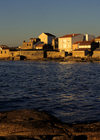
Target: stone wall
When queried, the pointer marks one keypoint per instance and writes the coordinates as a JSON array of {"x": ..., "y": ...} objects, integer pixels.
[
  {"x": 80, "y": 53},
  {"x": 27, "y": 54},
  {"x": 4, "y": 53},
  {"x": 14, "y": 55},
  {"x": 96, "y": 54},
  {"x": 55, "y": 54},
  {"x": 33, "y": 55}
]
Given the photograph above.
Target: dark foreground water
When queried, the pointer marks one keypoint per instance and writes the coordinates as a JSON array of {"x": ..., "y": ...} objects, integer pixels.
[{"x": 69, "y": 91}]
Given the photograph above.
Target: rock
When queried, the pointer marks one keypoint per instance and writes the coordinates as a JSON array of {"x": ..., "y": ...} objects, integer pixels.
[
  {"x": 60, "y": 138},
  {"x": 29, "y": 123},
  {"x": 35, "y": 125}
]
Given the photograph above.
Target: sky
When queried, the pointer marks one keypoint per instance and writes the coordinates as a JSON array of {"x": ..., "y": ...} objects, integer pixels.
[{"x": 23, "y": 19}]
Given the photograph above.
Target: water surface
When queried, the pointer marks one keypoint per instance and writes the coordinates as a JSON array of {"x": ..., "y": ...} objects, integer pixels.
[{"x": 70, "y": 91}]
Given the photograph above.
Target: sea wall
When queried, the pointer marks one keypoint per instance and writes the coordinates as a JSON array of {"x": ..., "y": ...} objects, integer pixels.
[
  {"x": 27, "y": 54},
  {"x": 14, "y": 55},
  {"x": 55, "y": 54},
  {"x": 96, "y": 54},
  {"x": 40, "y": 55},
  {"x": 33, "y": 55},
  {"x": 80, "y": 54}
]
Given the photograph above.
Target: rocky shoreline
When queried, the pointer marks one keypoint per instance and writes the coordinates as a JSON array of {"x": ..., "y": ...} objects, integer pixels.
[
  {"x": 36, "y": 125},
  {"x": 69, "y": 59}
]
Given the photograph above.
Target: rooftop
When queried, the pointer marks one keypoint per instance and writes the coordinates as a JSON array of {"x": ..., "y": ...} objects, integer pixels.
[
  {"x": 82, "y": 49},
  {"x": 97, "y": 37},
  {"x": 4, "y": 47},
  {"x": 69, "y": 35},
  {"x": 50, "y": 34},
  {"x": 86, "y": 42},
  {"x": 78, "y": 42}
]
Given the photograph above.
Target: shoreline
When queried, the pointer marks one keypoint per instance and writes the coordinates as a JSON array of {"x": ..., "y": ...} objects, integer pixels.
[
  {"x": 66, "y": 59},
  {"x": 38, "y": 125}
]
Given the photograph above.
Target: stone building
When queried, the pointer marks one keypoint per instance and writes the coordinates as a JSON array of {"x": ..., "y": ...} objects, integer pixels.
[
  {"x": 89, "y": 45},
  {"x": 39, "y": 45},
  {"x": 4, "y": 52},
  {"x": 76, "y": 45},
  {"x": 30, "y": 44},
  {"x": 84, "y": 48},
  {"x": 46, "y": 38}
]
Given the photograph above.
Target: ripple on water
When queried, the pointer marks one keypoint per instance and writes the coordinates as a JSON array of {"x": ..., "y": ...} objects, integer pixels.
[{"x": 69, "y": 91}]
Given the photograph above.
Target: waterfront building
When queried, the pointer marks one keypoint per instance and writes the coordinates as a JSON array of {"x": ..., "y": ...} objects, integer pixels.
[
  {"x": 46, "y": 38},
  {"x": 4, "y": 52},
  {"x": 97, "y": 39},
  {"x": 85, "y": 45},
  {"x": 39, "y": 45},
  {"x": 65, "y": 43},
  {"x": 84, "y": 48},
  {"x": 30, "y": 44},
  {"x": 27, "y": 45},
  {"x": 76, "y": 45},
  {"x": 88, "y": 45}
]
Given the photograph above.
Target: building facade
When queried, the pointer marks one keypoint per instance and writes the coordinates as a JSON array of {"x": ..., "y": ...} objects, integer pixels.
[
  {"x": 27, "y": 45},
  {"x": 46, "y": 38},
  {"x": 30, "y": 44},
  {"x": 65, "y": 43},
  {"x": 4, "y": 52}
]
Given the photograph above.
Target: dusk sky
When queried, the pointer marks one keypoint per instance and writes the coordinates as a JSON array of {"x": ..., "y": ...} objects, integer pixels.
[{"x": 23, "y": 19}]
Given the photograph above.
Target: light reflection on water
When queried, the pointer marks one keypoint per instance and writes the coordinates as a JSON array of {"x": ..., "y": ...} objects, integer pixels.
[{"x": 70, "y": 91}]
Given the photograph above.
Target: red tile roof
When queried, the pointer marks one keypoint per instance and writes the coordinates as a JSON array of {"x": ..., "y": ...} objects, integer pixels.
[
  {"x": 69, "y": 35},
  {"x": 86, "y": 43},
  {"x": 78, "y": 42},
  {"x": 82, "y": 49},
  {"x": 97, "y": 37}
]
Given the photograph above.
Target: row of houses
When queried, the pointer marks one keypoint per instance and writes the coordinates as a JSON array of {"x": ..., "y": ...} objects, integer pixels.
[{"x": 77, "y": 45}]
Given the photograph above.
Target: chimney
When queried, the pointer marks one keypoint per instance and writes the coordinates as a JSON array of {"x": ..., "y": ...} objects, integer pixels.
[{"x": 87, "y": 37}]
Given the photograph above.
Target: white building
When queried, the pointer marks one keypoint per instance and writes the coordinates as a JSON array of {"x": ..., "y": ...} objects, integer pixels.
[
  {"x": 85, "y": 45},
  {"x": 65, "y": 43},
  {"x": 46, "y": 38}
]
